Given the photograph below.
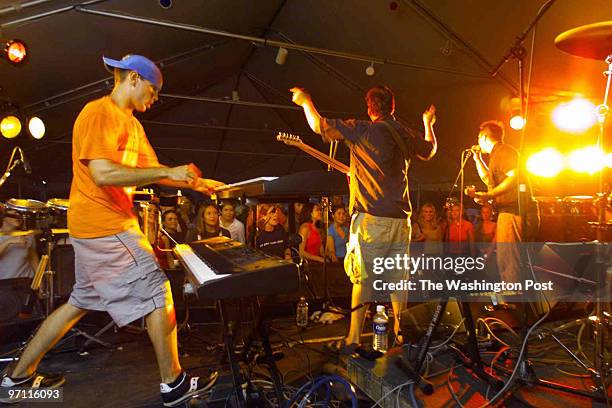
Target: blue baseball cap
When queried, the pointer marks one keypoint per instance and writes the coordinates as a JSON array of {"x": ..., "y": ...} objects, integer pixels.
[{"x": 141, "y": 65}]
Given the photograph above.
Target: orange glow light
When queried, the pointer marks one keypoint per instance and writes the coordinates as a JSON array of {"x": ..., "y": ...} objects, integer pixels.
[
  {"x": 575, "y": 116},
  {"x": 546, "y": 163},
  {"x": 16, "y": 51},
  {"x": 587, "y": 160}
]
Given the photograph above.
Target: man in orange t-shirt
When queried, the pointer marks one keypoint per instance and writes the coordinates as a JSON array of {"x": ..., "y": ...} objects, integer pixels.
[{"x": 115, "y": 268}]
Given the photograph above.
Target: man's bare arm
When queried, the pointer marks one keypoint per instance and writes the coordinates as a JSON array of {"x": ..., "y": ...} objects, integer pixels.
[
  {"x": 429, "y": 119},
  {"x": 108, "y": 173},
  {"x": 481, "y": 167}
]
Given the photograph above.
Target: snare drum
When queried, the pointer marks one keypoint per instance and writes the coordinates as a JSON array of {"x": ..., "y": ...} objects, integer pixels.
[
  {"x": 59, "y": 212},
  {"x": 58, "y": 204},
  {"x": 32, "y": 213}
]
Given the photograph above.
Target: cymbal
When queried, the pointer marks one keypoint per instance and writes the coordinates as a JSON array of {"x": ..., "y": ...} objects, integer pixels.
[{"x": 593, "y": 41}]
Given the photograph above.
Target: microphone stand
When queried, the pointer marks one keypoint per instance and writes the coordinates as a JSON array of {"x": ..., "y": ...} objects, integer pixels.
[{"x": 11, "y": 167}]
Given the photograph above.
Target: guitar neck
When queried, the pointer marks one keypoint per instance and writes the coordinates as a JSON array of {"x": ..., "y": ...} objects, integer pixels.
[{"x": 324, "y": 158}]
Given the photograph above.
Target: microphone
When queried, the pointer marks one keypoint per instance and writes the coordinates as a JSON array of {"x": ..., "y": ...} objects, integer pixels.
[
  {"x": 25, "y": 162},
  {"x": 474, "y": 149}
]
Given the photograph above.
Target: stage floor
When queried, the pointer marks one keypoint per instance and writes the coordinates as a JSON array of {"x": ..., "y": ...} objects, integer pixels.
[{"x": 127, "y": 376}]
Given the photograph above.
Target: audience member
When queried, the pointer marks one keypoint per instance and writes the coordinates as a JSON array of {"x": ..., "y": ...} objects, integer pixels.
[
  {"x": 311, "y": 247},
  {"x": 229, "y": 221},
  {"x": 337, "y": 235},
  {"x": 272, "y": 238}
]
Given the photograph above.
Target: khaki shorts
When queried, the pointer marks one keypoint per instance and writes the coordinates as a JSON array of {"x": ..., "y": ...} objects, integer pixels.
[
  {"x": 120, "y": 275},
  {"x": 375, "y": 237}
]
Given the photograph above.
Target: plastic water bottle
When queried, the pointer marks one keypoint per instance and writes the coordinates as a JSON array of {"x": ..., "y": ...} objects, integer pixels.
[
  {"x": 380, "y": 325},
  {"x": 301, "y": 315}
]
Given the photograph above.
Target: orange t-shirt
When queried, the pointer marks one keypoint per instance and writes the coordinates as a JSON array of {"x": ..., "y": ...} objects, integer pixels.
[{"x": 104, "y": 131}]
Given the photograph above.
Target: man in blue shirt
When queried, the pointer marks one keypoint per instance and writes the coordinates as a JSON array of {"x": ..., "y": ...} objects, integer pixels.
[{"x": 379, "y": 201}]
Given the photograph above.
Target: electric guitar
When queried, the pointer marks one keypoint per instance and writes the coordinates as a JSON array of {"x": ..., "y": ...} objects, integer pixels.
[{"x": 293, "y": 140}]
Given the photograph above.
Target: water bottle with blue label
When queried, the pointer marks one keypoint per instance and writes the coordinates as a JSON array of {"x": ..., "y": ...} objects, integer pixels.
[{"x": 380, "y": 328}]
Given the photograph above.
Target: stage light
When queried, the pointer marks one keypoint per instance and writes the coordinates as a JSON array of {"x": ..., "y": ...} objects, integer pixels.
[
  {"x": 16, "y": 51},
  {"x": 609, "y": 160},
  {"x": 10, "y": 127},
  {"x": 281, "y": 56},
  {"x": 370, "y": 70},
  {"x": 575, "y": 116},
  {"x": 36, "y": 127},
  {"x": 546, "y": 163},
  {"x": 517, "y": 121},
  {"x": 589, "y": 160}
]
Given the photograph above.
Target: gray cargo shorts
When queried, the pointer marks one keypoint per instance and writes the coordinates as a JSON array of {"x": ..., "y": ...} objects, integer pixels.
[{"x": 120, "y": 275}]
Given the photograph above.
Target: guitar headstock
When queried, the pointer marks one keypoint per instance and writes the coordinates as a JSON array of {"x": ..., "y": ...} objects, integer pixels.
[{"x": 288, "y": 138}]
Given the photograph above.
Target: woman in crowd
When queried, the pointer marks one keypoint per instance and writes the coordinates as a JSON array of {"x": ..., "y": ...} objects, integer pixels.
[
  {"x": 337, "y": 235},
  {"x": 311, "y": 247},
  {"x": 271, "y": 237},
  {"x": 429, "y": 230},
  {"x": 207, "y": 224},
  {"x": 170, "y": 222}
]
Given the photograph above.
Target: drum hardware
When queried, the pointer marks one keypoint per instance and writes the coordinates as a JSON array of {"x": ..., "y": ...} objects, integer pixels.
[{"x": 592, "y": 41}]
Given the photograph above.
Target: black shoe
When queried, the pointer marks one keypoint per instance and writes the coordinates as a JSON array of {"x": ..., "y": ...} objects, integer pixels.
[
  {"x": 36, "y": 380},
  {"x": 186, "y": 387}
]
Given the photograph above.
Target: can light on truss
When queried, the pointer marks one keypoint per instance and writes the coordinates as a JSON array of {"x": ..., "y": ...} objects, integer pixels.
[
  {"x": 36, "y": 127},
  {"x": 575, "y": 116},
  {"x": 546, "y": 163},
  {"x": 16, "y": 51},
  {"x": 517, "y": 121},
  {"x": 10, "y": 126}
]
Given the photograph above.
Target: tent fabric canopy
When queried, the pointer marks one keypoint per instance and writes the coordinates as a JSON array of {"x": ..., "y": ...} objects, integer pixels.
[{"x": 224, "y": 97}]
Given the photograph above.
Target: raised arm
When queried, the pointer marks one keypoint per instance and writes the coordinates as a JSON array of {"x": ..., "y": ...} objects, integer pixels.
[
  {"x": 429, "y": 119},
  {"x": 303, "y": 99}
]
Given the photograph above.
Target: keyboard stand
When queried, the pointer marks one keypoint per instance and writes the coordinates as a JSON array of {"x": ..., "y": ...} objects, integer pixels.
[{"x": 259, "y": 330}]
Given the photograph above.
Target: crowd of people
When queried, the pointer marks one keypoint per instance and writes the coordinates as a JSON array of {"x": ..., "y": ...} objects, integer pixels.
[
  {"x": 454, "y": 233},
  {"x": 184, "y": 222}
]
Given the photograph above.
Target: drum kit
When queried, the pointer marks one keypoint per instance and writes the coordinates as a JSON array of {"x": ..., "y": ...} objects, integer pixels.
[{"x": 48, "y": 222}]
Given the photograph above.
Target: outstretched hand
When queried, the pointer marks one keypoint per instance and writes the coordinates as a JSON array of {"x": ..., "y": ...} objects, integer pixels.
[
  {"x": 429, "y": 116},
  {"x": 207, "y": 186},
  {"x": 300, "y": 96}
]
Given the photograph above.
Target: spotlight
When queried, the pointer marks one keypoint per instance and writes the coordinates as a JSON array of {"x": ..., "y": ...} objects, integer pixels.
[
  {"x": 16, "y": 51},
  {"x": 281, "y": 56},
  {"x": 575, "y": 116},
  {"x": 10, "y": 127},
  {"x": 517, "y": 121},
  {"x": 546, "y": 163},
  {"x": 589, "y": 160},
  {"x": 165, "y": 4},
  {"x": 370, "y": 70},
  {"x": 36, "y": 127}
]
